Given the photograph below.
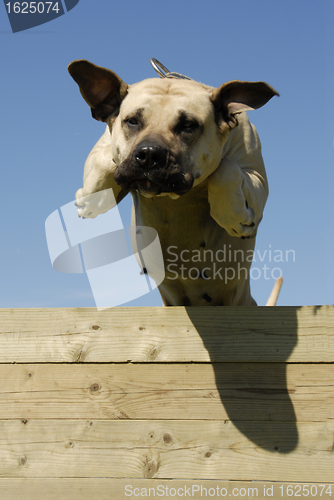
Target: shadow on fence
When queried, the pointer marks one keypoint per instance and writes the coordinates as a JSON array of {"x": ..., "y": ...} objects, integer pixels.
[{"x": 255, "y": 394}]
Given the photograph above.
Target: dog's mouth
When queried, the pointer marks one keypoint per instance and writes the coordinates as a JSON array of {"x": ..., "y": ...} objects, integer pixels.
[
  {"x": 177, "y": 184},
  {"x": 152, "y": 171}
]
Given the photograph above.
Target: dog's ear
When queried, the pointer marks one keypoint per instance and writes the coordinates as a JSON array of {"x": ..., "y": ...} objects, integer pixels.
[
  {"x": 101, "y": 88},
  {"x": 234, "y": 97}
]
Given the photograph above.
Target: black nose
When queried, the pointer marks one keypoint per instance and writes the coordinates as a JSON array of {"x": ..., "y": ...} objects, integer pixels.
[{"x": 149, "y": 156}]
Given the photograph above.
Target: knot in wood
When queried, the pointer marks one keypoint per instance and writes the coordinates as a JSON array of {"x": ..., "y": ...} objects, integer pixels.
[
  {"x": 167, "y": 438},
  {"x": 94, "y": 387},
  {"x": 154, "y": 353},
  {"x": 150, "y": 468}
]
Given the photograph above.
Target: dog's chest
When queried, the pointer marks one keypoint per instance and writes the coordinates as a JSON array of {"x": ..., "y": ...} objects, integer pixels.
[
  {"x": 184, "y": 223},
  {"x": 199, "y": 256}
]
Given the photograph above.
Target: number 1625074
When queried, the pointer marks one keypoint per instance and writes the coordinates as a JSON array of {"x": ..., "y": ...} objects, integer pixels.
[{"x": 32, "y": 7}]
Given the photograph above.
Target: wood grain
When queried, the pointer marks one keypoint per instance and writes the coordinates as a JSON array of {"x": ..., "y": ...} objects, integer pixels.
[
  {"x": 176, "y": 334},
  {"x": 232, "y": 391},
  {"x": 164, "y": 449},
  {"x": 93, "y": 401}
]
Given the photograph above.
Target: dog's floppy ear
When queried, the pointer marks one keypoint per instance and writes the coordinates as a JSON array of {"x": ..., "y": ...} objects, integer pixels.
[
  {"x": 236, "y": 96},
  {"x": 101, "y": 88}
]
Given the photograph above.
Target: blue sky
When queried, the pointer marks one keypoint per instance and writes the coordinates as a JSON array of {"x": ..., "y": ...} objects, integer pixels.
[{"x": 46, "y": 131}]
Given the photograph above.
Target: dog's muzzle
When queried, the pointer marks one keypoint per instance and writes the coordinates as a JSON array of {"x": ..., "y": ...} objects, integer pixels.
[
  {"x": 151, "y": 169},
  {"x": 148, "y": 157}
]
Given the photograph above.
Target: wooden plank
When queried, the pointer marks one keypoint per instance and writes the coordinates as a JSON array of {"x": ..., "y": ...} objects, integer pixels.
[
  {"x": 226, "y": 391},
  {"x": 177, "y": 334},
  {"x": 166, "y": 449},
  {"x": 121, "y": 489}
]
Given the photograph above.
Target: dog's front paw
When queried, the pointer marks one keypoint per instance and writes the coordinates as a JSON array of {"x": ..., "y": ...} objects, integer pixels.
[
  {"x": 230, "y": 210},
  {"x": 234, "y": 199},
  {"x": 94, "y": 204},
  {"x": 242, "y": 224}
]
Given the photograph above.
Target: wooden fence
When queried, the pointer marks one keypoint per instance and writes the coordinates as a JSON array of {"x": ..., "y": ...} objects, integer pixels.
[{"x": 166, "y": 402}]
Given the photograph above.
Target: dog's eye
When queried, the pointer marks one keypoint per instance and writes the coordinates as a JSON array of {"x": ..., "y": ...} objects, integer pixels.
[
  {"x": 132, "y": 121},
  {"x": 190, "y": 124},
  {"x": 187, "y": 125}
]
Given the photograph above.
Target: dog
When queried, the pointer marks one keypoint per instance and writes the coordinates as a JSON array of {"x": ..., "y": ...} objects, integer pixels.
[{"x": 192, "y": 162}]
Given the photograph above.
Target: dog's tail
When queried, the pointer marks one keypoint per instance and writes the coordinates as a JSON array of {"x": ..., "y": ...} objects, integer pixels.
[{"x": 275, "y": 292}]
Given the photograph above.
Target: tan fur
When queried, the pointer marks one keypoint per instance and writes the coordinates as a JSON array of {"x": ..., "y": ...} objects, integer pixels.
[{"x": 216, "y": 155}]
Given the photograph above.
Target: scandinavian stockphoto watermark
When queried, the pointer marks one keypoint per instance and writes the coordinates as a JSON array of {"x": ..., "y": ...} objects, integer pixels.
[
  {"x": 226, "y": 263},
  {"x": 26, "y": 15},
  {"x": 110, "y": 254}
]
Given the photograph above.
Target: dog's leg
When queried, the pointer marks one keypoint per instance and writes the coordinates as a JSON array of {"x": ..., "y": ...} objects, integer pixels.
[
  {"x": 237, "y": 198},
  {"x": 238, "y": 188},
  {"x": 99, "y": 178}
]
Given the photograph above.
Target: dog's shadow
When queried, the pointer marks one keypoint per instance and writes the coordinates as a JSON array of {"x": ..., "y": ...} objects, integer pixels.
[{"x": 248, "y": 351}]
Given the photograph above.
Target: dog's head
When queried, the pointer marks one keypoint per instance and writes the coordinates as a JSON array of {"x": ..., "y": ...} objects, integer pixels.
[{"x": 167, "y": 135}]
